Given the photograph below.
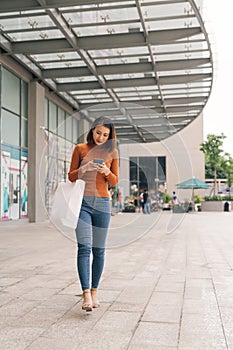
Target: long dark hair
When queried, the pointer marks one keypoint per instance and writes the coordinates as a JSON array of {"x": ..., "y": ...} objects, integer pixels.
[{"x": 110, "y": 144}]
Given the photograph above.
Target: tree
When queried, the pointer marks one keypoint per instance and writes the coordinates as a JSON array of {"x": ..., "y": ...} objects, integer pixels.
[
  {"x": 227, "y": 165},
  {"x": 209, "y": 172},
  {"x": 213, "y": 153}
]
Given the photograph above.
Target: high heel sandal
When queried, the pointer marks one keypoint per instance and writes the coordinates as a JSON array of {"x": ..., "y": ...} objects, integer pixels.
[
  {"x": 95, "y": 301},
  {"x": 87, "y": 306}
]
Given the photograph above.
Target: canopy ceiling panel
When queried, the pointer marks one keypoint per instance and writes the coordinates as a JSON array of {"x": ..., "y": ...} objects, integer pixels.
[{"x": 145, "y": 63}]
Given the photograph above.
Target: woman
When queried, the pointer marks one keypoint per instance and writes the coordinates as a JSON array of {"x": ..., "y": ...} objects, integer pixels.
[{"x": 95, "y": 162}]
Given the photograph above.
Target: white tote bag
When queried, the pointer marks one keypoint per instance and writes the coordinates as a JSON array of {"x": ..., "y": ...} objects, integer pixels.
[{"x": 66, "y": 205}]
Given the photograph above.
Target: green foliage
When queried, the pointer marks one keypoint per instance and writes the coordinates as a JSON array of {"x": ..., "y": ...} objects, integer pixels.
[
  {"x": 218, "y": 198},
  {"x": 129, "y": 208},
  {"x": 212, "y": 148},
  {"x": 217, "y": 163},
  {"x": 227, "y": 166},
  {"x": 197, "y": 199},
  {"x": 166, "y": 198},
  {"x": 209, "y": 172}
]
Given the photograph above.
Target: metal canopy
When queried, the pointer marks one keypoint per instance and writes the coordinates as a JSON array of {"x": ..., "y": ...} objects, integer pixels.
[{"x": 145, "y": 63}]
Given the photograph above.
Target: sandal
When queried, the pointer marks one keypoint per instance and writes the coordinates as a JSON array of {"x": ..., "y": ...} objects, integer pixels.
[
  {"x": 87, "y": 306},
  {"x": 95, "y": 303}
]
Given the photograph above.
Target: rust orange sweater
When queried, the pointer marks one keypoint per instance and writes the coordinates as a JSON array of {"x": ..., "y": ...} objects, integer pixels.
[{"x": 96, "y": 183}]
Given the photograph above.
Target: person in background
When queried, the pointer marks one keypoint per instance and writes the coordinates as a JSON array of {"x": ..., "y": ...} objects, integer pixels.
[
  {"x": 110, "y": 192},
  {"x": 95, "y": 162},
  {"x": 141, "y": 202},
  {"x": 119, "y": 202},
  {"x": 175, "y": 200},
  {"x": 137, "y": 204},
  {"x": 146, "y": 201}
]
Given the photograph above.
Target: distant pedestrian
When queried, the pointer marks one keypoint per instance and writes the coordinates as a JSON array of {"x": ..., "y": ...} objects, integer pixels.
[
  {"x": 146, "y": 201},
  {"x": 119, "y": 202},
  {"x": 175, "y": 200},
  {"x": 136, "y": 202},
  {"x": 141, "y": 202}
]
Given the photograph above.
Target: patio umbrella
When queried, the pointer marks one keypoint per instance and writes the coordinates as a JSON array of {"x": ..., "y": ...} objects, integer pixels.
[{"x": 192, "y": 183}]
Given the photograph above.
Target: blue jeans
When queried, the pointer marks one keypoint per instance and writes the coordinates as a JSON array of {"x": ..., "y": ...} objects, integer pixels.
[
  {"x": 91, "y": 233},
  {"x": 147, "y": 208}
]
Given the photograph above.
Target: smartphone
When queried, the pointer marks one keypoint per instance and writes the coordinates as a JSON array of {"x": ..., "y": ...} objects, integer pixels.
[{"x": 98, "y": 160}]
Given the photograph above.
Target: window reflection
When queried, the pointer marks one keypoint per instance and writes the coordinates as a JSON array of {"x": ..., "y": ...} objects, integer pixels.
[{"x": 14, "y": 143}]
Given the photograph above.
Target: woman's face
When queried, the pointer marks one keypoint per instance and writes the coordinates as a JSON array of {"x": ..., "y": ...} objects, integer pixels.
[{"x": 100, "y": 134}]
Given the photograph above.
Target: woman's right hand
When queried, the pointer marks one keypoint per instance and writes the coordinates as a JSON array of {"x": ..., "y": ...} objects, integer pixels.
[{"x": 90, "y": 166}]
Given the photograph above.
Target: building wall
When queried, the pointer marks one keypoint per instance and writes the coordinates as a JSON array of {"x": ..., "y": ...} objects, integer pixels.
[
  {"x": 32, "y": 160},
  {"x": 183, "y": 157}
]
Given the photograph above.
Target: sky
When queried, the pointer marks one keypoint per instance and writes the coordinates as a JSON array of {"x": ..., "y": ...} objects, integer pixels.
[{"x": 217, "y": 113}]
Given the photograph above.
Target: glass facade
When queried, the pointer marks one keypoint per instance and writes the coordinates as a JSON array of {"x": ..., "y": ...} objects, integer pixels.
[
  {"x": 61, "y": 133},
  {"x": 14, "y": 146},
  {"x": 147, "y": 173}
]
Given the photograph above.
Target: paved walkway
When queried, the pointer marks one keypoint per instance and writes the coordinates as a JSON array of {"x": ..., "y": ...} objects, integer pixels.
[{"x": 167, "y": 284}]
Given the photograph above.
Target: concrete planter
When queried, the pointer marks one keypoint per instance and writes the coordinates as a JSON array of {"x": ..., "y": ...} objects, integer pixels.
[
  {"x": 129, "y": 209},
  {"x": 216, "y": 205},
  {"x": 178, "y": 209},
  {"x": 166, "y": 206}
]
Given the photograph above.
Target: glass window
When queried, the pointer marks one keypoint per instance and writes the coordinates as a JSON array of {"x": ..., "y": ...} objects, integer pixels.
[
  {"x": 147, "y": 172},
  {"x": 46, "y": 115},
  {"x": 10, "y": 162},
  {"x": 10, "y": 128},
  {"x": 24, "y": 132},
  {"x": 24, "y": 185},
  {"x": 61, "y": 122},
  {"x": 63, "y": 132},
  {"x": 61, "y": 148},
  {"x": 62, "y": 170},
  {"x": 143, "y": 180},
  {"x": 10, "y": 91},
  {"x": 75, "y": 131},
  {"x": 52, "y": 117},
  {"x": 133, "y": 169},
  {"x": 69, "y": 128},
  {"x": 24, "y": 99},
  {"x": 162, "y": 168},
  {"x": 69, "y": 150},
  {"x": 5, "y": 182},
  {"x": 14, "y": 127}
]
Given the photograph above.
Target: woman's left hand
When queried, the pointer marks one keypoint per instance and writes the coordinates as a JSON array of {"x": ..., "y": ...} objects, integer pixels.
[{"x": 103, "y": 169}]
